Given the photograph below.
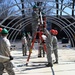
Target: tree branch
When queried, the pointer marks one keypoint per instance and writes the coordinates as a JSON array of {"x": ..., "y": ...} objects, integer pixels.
[{"x": 17, "y": 4}]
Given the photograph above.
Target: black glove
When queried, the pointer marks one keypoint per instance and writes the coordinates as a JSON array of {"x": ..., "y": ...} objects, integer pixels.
[{"x": 11, "y": 58}]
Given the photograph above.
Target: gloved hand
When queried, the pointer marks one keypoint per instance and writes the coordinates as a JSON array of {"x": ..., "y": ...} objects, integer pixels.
[{"x": 11, "y": 58}]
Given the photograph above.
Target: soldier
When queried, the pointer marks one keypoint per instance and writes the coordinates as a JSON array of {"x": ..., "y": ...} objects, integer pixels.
[
  {"x": 24, "y": 44},
  {"x": 54, "y": 44},
  {"x": 35, "y": 17},
  {"x": 29, "y": 40},
  {"x": 48, "y": 45},
  {"x": 41, "y": 46},
  {"x": 41, "y": 50},
  {"x": 5, "y": 51},
  {"x": 0, "y": 30}
]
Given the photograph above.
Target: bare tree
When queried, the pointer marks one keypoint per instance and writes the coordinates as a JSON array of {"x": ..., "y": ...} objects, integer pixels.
[
  {"x": 64, "y": 4},
  {"x": 1, "y": 1},
  {"x": 26, "y": 7},
  {"x": 4, "y": 5}
]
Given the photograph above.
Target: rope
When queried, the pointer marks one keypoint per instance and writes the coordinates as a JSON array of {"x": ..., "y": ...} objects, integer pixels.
[{"x": 53, "y": 73}]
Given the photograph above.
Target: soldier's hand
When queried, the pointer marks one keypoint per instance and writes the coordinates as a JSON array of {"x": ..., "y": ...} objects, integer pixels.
[{"x": 11, "y": 58}]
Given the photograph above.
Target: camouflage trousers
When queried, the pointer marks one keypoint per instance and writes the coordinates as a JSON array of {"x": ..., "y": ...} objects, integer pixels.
[
  {"x": 49, "y": 53},
  {"x": 56, "y": 54},
  {"x": 8, "y": 66},
  {"x": 24, "y": 49},
  {"x": 41, "y": 51}
]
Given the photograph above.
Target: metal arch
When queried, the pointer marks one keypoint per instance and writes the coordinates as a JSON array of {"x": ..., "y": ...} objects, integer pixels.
[
  {"x": 70, "y": 29},
  {"x": 66, "y": 24},
  {"x": 71, "y": 25},
  {"x": 17, "y": 25},
  {"x": 15, "y": 19},
  {"x": 9, "y": 27},
  {"x": 67, "y": 33},
  {"x": 55, "y": 23},
  {"x": 18, "y": 32},
  {"x": 63, "y": 30},
  {"x": 15, "y": 31},
  {"x": 21, "y": 29},
  {"x": 18, "y": 22},
  {"x": 61, "y": 20}
]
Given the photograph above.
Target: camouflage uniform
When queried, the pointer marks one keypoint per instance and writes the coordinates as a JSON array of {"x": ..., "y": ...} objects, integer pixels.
[
  {"x": 54, "y": 43},
  {"x": 24, "y": 45},
  {"x": 5, "y": 51},
  {"x": 35, "y": 17},
  {"x": 41, "y": 46},
  {"x": 48, "y": 45},
  {"x": 41, "y": 50},
  {"x": 29, "y": 40}
]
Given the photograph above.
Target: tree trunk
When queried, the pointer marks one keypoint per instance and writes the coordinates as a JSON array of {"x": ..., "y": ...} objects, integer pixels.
[
  {"x": 57, "y": 7},
  {"x": 73, "y": 8},
  {"x": 61, "y": 7},
  {"x": 23, "y": 12}
]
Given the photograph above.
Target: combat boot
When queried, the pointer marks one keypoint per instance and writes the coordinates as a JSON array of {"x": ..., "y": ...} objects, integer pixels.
[
  {"x": 49, "y": 65},
  {"x": 55, "y": 62}
]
